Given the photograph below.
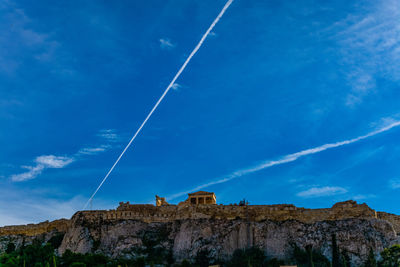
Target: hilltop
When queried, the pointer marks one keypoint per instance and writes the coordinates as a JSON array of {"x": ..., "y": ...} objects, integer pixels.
[{"x": 191, "y": 226}]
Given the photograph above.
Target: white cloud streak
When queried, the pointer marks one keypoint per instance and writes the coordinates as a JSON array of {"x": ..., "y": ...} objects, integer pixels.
[
  {"x": 176, "y": 86},
  {"x": 109, "y": 135},
  {"x": 322, "y": 192},
  {"x": 166, "y": 44},
  {"x": 59, "y": 162},
  {"x": 286, "y": 159},
  {"x": 93, "y": 150},
  {"x": 18, "y": 35},
  {"x": 42, "y": 163},
  {"x": 52, "y": 161},
  {"x": 370, "y": 44},
  {"x": 34, "y": 208},
  {"x": 394, "y": 184},
  {"x": 363, "y": 197},
  {"x": 169, "y": 87}
]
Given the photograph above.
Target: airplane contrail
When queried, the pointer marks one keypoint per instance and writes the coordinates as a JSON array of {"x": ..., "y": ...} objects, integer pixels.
[
  {"x": 286, "y": 159},
  {"x": 228, "y": 3}
]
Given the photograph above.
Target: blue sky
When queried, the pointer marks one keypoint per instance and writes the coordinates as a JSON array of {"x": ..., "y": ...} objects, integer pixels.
[{"x": 274, "y": 78}]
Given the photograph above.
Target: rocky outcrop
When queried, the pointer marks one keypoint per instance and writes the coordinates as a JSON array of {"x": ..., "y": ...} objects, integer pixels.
[
  {"x": 392, "y": 218},
  {"x": 281, "y": 212},
  {"x": 184, "y": 230},
  {"x": 36, "y": 229},
  {"x": 221, "y": 237},
  {"x": 27, "y": 234}
]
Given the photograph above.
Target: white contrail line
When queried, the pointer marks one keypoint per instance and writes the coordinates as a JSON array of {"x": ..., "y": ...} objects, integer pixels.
[
  {"x": 228, "y": 3},
  {"x": 286, "y": 159}
]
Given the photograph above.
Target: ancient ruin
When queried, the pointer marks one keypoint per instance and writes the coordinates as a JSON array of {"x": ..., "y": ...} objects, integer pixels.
[
  {"x": 203, "y": 205},
  {"x": 202, "y": 197},
  {"x": 196, "y": 198},
  {"x": 198, "y": 222},
  {"x": 160, "y": 201}
]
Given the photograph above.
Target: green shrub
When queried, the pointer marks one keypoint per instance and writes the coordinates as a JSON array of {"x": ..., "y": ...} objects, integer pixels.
[
  {"x": 56, "y": 240},
  {"x": 309, "y": 257},
  {"x": 203, "y": 258},
  {"x": 391, "y": 256},
  {"x": 10, "y": 248},
  {"x": 251, "y": 257},
  {"x": 371, "y": 261}
]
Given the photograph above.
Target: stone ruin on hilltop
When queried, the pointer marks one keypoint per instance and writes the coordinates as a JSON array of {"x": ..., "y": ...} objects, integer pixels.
[{"x": 203, "y": 205}]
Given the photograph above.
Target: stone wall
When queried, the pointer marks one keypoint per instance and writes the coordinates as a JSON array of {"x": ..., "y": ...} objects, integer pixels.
[
  {"x": 149, "y": 213},
  {"x": 392, "y": 218},
  {"x": 283, "y": 212},
  {"x": 36, "y": 229}
]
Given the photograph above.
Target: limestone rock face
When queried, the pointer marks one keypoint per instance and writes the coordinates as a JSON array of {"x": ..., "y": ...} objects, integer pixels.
[
  {"x": 185, "y": 229},
  {"x": 26, "y": 234},
  {"x": 222, "y": 237},
  {"x": 35, "y": 229}
]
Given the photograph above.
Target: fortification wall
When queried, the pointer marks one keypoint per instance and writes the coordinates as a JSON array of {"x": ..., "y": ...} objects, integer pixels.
[
  {"x": 35, "y": 229},
  {"x": 256, "y": 213},
  {"x": 150, "y": 213},
  {"x": 392, "y": 218}
]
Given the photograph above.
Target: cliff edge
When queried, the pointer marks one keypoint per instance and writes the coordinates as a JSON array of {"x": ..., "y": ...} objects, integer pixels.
[{"x": 185, "y": 229}]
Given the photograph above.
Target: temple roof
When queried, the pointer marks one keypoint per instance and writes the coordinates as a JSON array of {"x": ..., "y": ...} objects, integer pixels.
[{"x": 201, "y": 193}]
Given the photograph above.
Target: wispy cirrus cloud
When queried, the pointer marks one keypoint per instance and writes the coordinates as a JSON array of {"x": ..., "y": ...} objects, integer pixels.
[
  {"x": 109, "y": 135},
  {"x": 176, "y": 86},
  {"x": 166, "y": 43},
  {"x": 36, "y": 208},
  {"x": 363, "y": 197},
  {"x": 42, "y": 163},
  {"x": 290, "y": 158},
  {"x": 370, "y": 44},
  {"x": 322, "y": 191},
  {"x": 93, "y": 150},
  {"x": 394, "y": 183},
  {"x": 18, "y": 35}
]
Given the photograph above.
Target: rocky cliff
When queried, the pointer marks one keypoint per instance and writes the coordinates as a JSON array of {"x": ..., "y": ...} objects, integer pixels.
[{"x": 184, "y": 230}]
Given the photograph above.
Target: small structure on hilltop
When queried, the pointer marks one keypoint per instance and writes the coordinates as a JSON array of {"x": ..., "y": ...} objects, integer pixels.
[
  {"x": 160, "y": 201},
  {"x": 196, "y": 198},
  {"x": 202, "y": 197},
  {"x": 243, "y": 202},
  {"x": 124, "y": 205}
]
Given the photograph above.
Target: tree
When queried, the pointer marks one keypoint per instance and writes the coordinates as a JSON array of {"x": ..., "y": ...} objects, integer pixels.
[
  {"x": 371, "y": 261},
  {"x": 299, "y": 255},
  {"x": 391, "y": 256},
  {"x": 10, "y": 248},
  {"x": 251, "y": 257},
  {"x": 345, "y": 259},
  {"x": 37, "y": 254},
  {"x": 309, "y": 257},
  {"x": 203, "y": 258},
  {"x": 274, "y": 262},
  {"x": 309, "y": 251},
  {"x": 335, "y": 252},
  {"x": 185, "y": 263},
  {"x": 56, "y": 240},
  {"x": 9, "y": 260}
]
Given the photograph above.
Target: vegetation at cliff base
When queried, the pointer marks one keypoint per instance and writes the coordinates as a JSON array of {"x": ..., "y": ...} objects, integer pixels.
[
  {"x": 391, "y": 256},
  {"x": 44, "y": 255}
]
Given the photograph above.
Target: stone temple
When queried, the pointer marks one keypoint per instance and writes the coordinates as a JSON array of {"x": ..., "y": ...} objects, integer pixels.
[
  {"x": 202, "y": 197},
  {"x": 196, "y": 198}
]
